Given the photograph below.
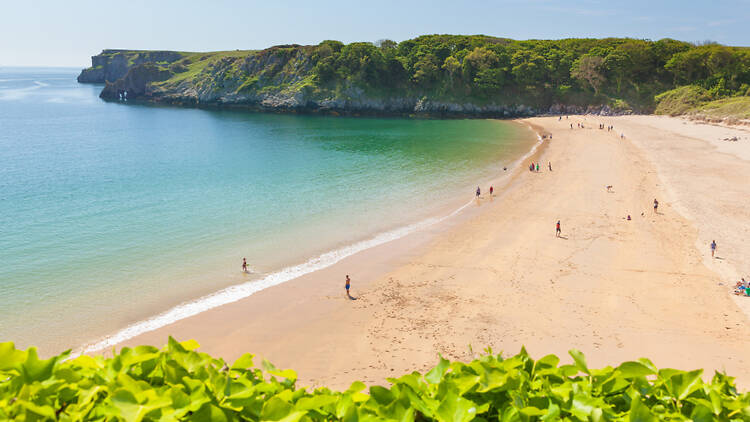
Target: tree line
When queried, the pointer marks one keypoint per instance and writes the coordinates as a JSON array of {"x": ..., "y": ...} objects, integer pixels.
[{"x": 627, "y": 71}]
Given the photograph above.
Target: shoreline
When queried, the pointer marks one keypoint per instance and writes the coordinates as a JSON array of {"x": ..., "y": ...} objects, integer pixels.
[
  {"x": 495, "y": 276},
  {"x": 237, "y": 292}
]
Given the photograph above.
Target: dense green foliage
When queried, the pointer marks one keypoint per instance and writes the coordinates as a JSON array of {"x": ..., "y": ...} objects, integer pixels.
[
  {"x": 542, "y": 72},
  {"x": 619, "y": 72},
  {"x": 178, "y": 383}
]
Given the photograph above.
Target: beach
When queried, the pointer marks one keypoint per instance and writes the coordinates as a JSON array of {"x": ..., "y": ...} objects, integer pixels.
[{"x": 496, "y": 276}]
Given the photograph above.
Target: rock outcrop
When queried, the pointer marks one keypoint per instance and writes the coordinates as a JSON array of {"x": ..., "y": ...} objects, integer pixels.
[
  {"x": 136, "y": 84},
  {"x": 111, "y": 65}
]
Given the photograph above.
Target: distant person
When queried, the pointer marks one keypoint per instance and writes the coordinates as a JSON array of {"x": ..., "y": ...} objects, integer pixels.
[
  {"x": 348, "y": 284},
  {"x": 609, "y": 188},
  {"x": 571, "y": 125},
  {"x": 244, "y": 265},
  {"x": 558, "y": 231},
  {"x": 479, "y": 191},
  {"x": 713, "y": 248},
  {"x": 549, "y": 165},
  {"x": 628, "y": 217},
  {"x": 656, "y": 204},
  {"x": 491, "y": 190},
  {"x": 531, "y": 167},
  {"x": 622, "y": 135},
  {"x": 537, "y": 167}
]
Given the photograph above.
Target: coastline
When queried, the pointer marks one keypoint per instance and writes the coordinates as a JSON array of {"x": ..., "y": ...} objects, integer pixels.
[
  {"x": 495, "y": 276},
  {"x": 237, "y": 292}
]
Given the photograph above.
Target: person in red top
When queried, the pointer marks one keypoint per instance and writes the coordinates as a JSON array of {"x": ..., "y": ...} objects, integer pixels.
[
  {"x": 557, "y": 229},
  {"x": 491, "y": 190}
]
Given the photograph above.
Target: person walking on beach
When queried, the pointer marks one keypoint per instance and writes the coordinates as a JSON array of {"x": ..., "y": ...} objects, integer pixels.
[
  {"x": 479, "y": 191},
  {"x": 348, "y": 284},
  {"x": 656, "y": 204},
  {"x": 549, "y": 164},
  {"x": 713, "y": 248},
  {"x": 244, "y": 265},
  {"x": 491, "y": 190},
  {"x": 558, "y": 231}
]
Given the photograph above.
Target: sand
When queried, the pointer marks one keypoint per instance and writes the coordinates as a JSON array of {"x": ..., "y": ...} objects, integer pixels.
[{"x": 497, "y": 276}]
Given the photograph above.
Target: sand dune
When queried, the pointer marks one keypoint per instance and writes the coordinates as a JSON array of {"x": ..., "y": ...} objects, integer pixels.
[{"x": 496, "y": 276}]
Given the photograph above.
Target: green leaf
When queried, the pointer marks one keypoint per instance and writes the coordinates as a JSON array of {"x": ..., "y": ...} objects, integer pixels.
[
  {"x": 580, "y": 361},
  {"x": 436, "y": 374},
  {"x": 454, "y": 408},
  {"x": 10, "y": 357},
  {"x": 685, "y": 383},
  {"x": 634, "y": 370},
  {"x": 639, "y": 412},
  {"x": 244, "y": 362},
  {"x": 35, "y": 369}
]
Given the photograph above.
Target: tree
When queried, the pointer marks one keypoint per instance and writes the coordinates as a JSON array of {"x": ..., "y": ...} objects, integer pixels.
[
  {"x": 452, "y": 66},
  {"x": 589, "y": 69}
]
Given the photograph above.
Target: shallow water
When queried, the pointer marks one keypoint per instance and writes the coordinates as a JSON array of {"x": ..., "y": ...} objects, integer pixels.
[{"x": 110, "y": 213}]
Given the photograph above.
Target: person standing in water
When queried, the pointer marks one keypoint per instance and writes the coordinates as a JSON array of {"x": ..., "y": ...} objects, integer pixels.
[
  {"x": 244, "y": 265},
  {"x": 558, "y": 231},
  {"x": 348, "y": 284},
  {"x": 713, "y": 248}
]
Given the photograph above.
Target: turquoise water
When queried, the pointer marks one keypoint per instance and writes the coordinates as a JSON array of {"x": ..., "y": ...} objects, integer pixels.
[{"x": 111, "y": 213}]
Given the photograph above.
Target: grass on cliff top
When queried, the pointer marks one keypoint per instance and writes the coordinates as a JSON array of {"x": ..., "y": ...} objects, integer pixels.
[{"x": 197, "y": 62}]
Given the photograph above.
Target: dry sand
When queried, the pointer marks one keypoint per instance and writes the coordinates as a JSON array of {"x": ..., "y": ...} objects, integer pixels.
[{"x": 496, "y": 276}]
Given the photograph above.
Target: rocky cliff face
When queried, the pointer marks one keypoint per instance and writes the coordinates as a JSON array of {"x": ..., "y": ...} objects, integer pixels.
[{"x": 111, "y": 65}]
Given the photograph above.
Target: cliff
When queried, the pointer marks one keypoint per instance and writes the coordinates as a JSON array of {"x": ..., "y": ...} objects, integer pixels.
[
  {"x": 111, "y": 65},
  {"x": 443, "y": 75}
]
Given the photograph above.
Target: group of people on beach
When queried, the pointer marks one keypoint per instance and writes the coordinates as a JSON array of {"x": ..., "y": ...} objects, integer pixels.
[
  {"x": 535, "y": 167},
  {"x": 479, "y": 191},
  {"x": 742, "y": 288}
]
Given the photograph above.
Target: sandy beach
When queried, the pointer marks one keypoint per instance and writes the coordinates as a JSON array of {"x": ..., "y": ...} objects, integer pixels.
[{"x": 497, "y": 276}]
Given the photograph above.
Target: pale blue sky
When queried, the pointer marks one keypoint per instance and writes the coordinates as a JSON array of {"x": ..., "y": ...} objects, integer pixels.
[{"x": 67, "y": 33}]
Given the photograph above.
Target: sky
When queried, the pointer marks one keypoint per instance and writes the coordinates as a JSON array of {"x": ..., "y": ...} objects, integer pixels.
[{"x": 68, "y": 33}]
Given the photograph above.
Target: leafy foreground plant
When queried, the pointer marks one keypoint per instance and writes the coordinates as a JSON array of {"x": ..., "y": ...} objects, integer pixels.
[{"x": 178, "y": 383}]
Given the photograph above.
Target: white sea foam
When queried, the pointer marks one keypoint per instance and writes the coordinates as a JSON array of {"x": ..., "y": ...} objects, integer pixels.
[{"x": 240, "y": 291}]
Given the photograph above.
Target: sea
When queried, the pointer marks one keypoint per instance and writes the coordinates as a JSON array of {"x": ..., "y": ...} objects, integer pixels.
[{"x": 119, "y": 218}]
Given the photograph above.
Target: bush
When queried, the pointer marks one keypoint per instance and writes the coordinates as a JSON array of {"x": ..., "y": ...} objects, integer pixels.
[
  {"x": 681, "y": 100},
  {"x": 178, "y": 383}
]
